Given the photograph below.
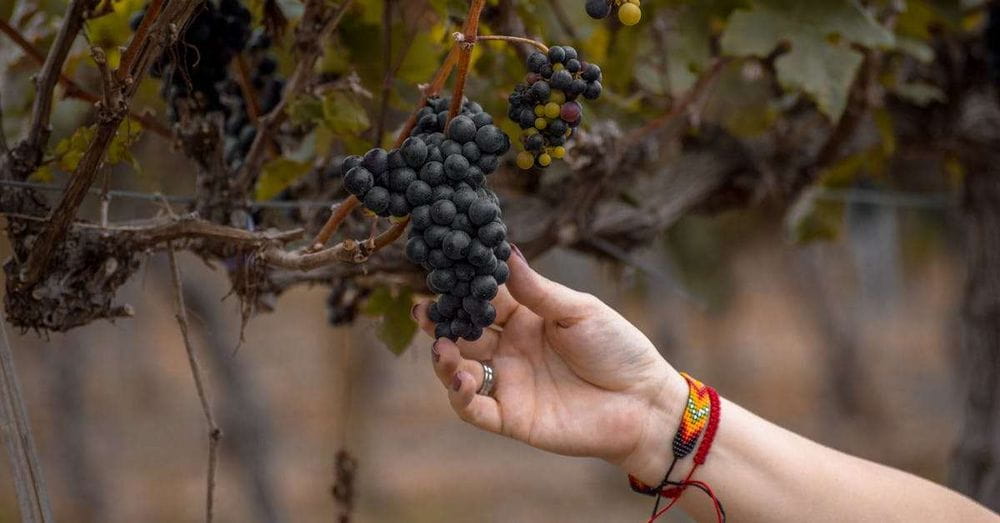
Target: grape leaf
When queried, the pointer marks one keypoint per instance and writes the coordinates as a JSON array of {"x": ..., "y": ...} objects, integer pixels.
[
  {"x": 343, "y": 115},
  {"x": 278, "y": 174},
  {"x": 397, "y": 328},
  {"x": 820, "y": 61},
  {"x": 71, "y": 149}
]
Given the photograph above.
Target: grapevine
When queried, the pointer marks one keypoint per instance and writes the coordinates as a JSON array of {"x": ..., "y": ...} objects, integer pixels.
[{"x": 546, "y": 105}]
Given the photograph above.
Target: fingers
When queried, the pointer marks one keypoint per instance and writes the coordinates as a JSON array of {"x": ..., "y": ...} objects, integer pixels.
[
  {"x": 478, "y": 410},
  {"x": 448, "y": 360},
  {"x": 481, "y": 349},
  {"x": 544, "y": 297},
  {"x": 463, "y": 377}
]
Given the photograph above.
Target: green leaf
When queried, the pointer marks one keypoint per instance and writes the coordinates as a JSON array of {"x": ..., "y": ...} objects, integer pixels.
[
  {"x": 343, "y": 114},
  {"x": 306, "y": 109},
  {"x": 397, "y": 328},
  {"x": 820, "y": 61},
  {"x": 278, "y": 174}
]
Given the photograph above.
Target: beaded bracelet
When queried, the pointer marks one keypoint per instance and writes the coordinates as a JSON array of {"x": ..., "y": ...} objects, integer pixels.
[{"x": 701, "y": 414}]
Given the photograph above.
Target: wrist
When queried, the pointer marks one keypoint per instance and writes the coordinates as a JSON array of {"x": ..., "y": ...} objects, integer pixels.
[{"x": 652, "y": 453}]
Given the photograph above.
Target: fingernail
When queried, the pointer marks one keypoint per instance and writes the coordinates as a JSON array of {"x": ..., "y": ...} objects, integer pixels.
[
  {"x": 434, "y": 352},
  {"x": 456, "y": 382},
  {"x": 413, "y": 311},
  {"x": 518, "y": 252}
]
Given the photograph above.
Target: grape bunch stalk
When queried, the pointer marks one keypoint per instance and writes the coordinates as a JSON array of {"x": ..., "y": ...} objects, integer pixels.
[
  {"x": 438, "y": 178},
  {"x": 546, "y": 105},
  {"x": 629, "y": 12}
]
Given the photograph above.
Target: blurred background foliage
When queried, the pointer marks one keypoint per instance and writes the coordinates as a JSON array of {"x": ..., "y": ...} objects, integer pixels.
[{"x": 843, "y": 284}]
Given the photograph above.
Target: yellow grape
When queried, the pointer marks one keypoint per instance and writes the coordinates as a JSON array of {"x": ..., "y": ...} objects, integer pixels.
[
  {"x": 557, "y": 97},
  {"x": 558, "y": 151},
  {"x": 539, "y": 110},
  {"x": 544, "y": 159},
  {"x": 525, "y": 160},
  {"x": 541, "y": 123},
  {"x": 551, "y": 110},
  {"x": 629, "y": 14}
]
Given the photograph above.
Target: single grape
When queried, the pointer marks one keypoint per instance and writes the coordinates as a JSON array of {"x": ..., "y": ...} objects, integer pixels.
[
  {"x": 443, "y": 212},
  {"x": 359, "y": 181},
  {"x": 483, "y": 287},
  {"x": 377, "y": 200},
  {"x": 629, "y": 14},
  {"x": 417, "y": 250},
  {"x": 492, "y": 233},
  {"x": 525, "y": 160},
  {"x": 419, "y": 193},
  {"x": 483, "y": 211},
  {"x": 413, "y": 152},
  {"x": 462, "y": 129},
  {"x": 456, "y": 245},
  {"x": 376, "y": 160}
]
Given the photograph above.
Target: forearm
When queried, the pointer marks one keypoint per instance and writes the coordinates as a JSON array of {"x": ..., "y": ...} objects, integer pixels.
[{"x": 762, "y": 472}]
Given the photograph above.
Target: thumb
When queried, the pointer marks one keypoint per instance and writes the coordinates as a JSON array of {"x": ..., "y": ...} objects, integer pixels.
[{"x": 546, "y": 298}]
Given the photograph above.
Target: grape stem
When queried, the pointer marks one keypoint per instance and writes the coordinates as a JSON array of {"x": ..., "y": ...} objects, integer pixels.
[
  {"x": 340, "y": 214},
  {"x": 464, "y": 47},
  {"x": 344, "y": 209},
  {"x": 459, "y": 54},
  {"x": 432, "y": 89},
  {"x": 505, "y": 38}
]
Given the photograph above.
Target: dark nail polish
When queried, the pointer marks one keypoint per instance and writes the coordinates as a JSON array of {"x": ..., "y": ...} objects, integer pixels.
[
  {"x": 413, "y": 311},
  {"x": 456, "y": 383},
  {"x": 518, "y": 252},
  {"x": 434, "y": 352}
]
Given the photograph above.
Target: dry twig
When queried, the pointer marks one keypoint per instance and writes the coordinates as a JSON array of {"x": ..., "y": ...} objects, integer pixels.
[{"x": 214, "y": 433}]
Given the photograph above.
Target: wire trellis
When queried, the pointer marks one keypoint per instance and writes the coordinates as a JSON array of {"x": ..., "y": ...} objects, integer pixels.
[{"x": 857, "y": 196}]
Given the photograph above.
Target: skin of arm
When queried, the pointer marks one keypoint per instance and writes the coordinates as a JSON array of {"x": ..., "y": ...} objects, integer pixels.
[{"x": 576, "y": 378}]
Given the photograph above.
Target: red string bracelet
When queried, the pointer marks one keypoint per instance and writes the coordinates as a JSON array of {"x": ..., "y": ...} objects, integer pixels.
[{"x": 702, "y": 412}]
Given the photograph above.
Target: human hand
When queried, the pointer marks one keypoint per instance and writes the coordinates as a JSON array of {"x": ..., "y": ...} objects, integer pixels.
[{"x": 572, "y": 376}]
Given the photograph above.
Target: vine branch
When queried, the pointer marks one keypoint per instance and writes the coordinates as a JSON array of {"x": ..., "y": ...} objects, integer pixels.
[
  {"x": 110, "y": 115},
  {"x": 45, "y": 84}
]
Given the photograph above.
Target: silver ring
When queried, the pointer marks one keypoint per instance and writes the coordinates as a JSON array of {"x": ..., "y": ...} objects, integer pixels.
[{"x": 489, "y": 379}]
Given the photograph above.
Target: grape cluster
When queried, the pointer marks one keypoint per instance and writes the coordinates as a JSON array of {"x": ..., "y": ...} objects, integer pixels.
[
  {"x": 546, "y": 104},
  {"x": 438, "y": 178},
  {"x": 267, "y": 85},
  {"x": 629, "y": 11},
  {"x": 193, "y": 69}
]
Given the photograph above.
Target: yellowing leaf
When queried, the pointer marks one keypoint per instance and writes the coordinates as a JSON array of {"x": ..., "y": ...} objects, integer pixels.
[
  {"x": 43, "y": 174},
  {"x": 70, "y": 150},
  {"x": 343, "y": 115},
  {"x": 278, "y": 174},
  {"x": 397, "y": 328}
]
